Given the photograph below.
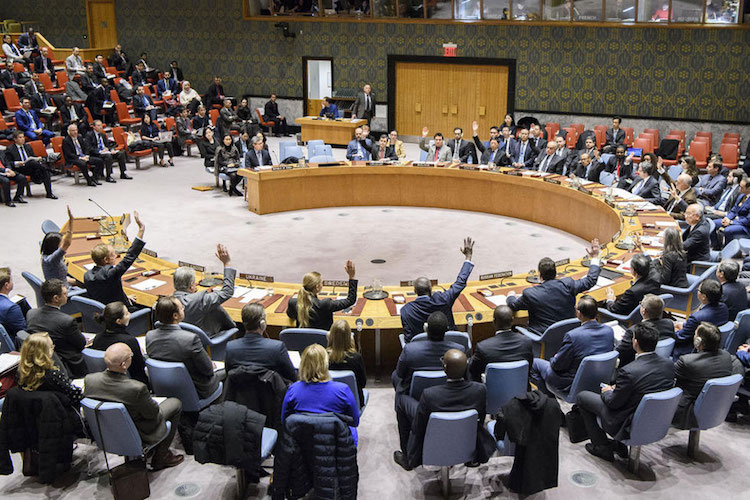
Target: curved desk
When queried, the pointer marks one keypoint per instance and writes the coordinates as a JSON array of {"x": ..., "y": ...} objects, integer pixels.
[{"x": 526, "y": 196}]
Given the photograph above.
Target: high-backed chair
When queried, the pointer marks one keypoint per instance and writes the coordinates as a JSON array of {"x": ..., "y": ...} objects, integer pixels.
[
  {"x": 319, "y": 149},
  {"x": 315, "y": 142},
  {"x": 740, "y": 334},
  {"x": 119, "y": 135},
  {"x": 627, "y": 320},
  {"x": 664, "y": 347},
  {"x": 297, "y": 339},
  {"x": 594, "y": 370},
  {"x": 49, "y": 226},
  {"x": 172, "y": 380},
  {"x": 423, "y": 379},
  {"x": 94, "y": 360},
  {"x": 36, "y": 284},
  {"x": 712, "y": 407},
  {"x": 450, "y": 440},
  {"x": 283, "y": 145},
  {"x": 6, "y": 342},
  {"x": 547, "y": 344},
  {"x": 262, "y": 122},
  {"x": 292, "y": 151},
  {"x": 140, "y": 321},
  {"x": 461, "y": 338},
  {"x": 685, "y": 300},
  {"x": 216, "y": 345},
  {"x": 347, "y": 377},
  {"x": 607, "y": 178},
  {"x": 322, "y": 158},
  {"x": 504, "y": 382}
]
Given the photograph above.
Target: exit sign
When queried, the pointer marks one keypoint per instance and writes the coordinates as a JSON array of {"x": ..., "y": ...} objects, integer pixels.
[{"x": 449, "y": 49}]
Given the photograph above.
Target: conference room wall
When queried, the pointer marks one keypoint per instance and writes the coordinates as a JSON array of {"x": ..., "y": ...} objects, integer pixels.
[{"x": 668, "y": 73}]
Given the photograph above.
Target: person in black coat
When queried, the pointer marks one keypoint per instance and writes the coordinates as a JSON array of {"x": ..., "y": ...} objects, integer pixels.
[
  {"x": 99, "y": 146},
  {"x": 696, "y": 238},
  {"x": 343, "y": 355},
  {"x": 694, "y": 369},
  {"x": 504, "y": 347},
  {"x": 617, "y": 403},
  {"x": 308, "y": 311},
  {"x": 116, "y": 318},
  {"x": 257, "y": 156},
  {"x": 271, "y": 113},
  {"x": 43, "y": 64},
  {"x": 256, "y": 348},
  {"x": 643, "y": 284},
  {"x": 615, "y": 136},
  {"x": 382, "y": 151},
  {"x": 22, "y": 159},
  {"x": 73, "y": 113},
  {"x": 733, "y": 294},
  {"x": 647, "y": 187},
  {"x": 74, "y": 152},
  {"x": 652, "y": 310},
  {"x": 215, "y": 93},
  {"x": 672, "y": 265},
  {"x": 460, "y": 147}
]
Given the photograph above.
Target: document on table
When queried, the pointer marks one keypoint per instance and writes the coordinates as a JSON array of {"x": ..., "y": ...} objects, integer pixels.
[
  {"x": 624, "y": 267},
  {"x": 149, "y": 284},
  {"x": 294, "y": 357},
  {"x": 254, "y": 293},
  {"x": 239, "y": 291},
  {"x": 617, "y": 328},
  {"x": 498, "y": 300},
  {"x": 602, "y": 282},
  {"x": 89, "y": 267},
  {"x": 398, "y": 308},
  {"x": 666, "y": 223}
]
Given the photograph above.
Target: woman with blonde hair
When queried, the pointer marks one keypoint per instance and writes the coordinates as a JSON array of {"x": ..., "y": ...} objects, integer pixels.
[
  {"x": 310, "y": 312},
  {"x": 315, "y": 392},
  {"x": 37, "y": 370},
  {"x": 342, "y": 354}
]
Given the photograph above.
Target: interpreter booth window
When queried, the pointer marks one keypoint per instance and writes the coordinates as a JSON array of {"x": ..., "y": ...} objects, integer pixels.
[
  {"x": 619, "y": 11},
  {"x": 496, "y": 9},
  {"x": 466, "y": 9},
  {"x": 384, "y": 8},
  {"x": 525, "y": 10},
  {"x": 653, "y": 11},
  {"x": 439, "y": 9},
  {"x": 587, "y": 10},
  {"x": 357, "y": 8},
  {"x": 556, "y": 10},
  {"x": 687, "y": 11},
  {"x": 259, "y": 7},
  {"x": 410, "y": 8},
  {"x": 719, "y": 11}
]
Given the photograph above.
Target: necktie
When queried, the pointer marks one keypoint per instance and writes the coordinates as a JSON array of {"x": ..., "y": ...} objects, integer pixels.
[
  {"x": 260, "y": 158},
  {"x": 640, "y": 187},
  {"x": 44, "y": 60},
  {"x": 15, "y": 50},
  {"x": 507, "y": 146},
  {"x": 73, "y": 115},
  {"x": 523, "y": 150},
  {"x": 101, "y": 143},
  {"x": 78, "y": 147},
  {"x": 367, "y": 102},
  {"x": 492, "y": 156},
  {"x": 145, "y": 101},
  {"x": 382, "y": 153},
  {"x": 23, "y": 153},
  {"x": 437, "y": 154},
  {"x": 458, "y": 147},
  {"x": 724, "y": 198},
  {"x": 545, "y": 162}
]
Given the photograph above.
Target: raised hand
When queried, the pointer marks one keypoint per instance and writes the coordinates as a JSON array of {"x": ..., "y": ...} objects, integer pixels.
[
  {"x": 594, "y": 249},
  {"x": 475, "y": 127},
  {"x": 468, "y": 248},
  {"x": 223, "y": 254},
  {"x": 350, "y": 271},
  {"x": 141, "y": 225},
  {"x": 425, "y": 131}
]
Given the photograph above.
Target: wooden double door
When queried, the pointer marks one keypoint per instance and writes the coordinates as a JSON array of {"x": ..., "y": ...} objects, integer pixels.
[{"x": 442, "y": 96}]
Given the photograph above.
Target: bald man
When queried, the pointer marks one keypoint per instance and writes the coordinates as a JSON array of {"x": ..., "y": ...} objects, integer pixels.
[
  {"x": 457, "y": 394},
  {"x": 114, "y": 385}
]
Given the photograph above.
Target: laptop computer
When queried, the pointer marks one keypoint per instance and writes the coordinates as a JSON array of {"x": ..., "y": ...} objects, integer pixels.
[
  {"x": 636, "y": 151},
  {"x": 165, "y": 136}
]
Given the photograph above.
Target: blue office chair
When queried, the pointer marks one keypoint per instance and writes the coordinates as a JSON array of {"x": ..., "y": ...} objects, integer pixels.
[
  {"x": 172, "y": 380},
  {"x": 6, "y": 341},
  {"x": 50, "y": 227},
  {"x": 283, "y": 145},
  {"x": 712, "y": 407},
  {"x": 140, "y": 320},
  {"x": 450, "y": 440},
  {"x": 627, "y": 320},
  {"x": 726, "y": 331},
  {"x": 120, "y": 434},
  {"x": 319, "y": 149},
  {"x": 315, "y": 142},
  {"x": 604, "y": 158},
  {"x": 423, "y": 153},
  {"x": 347, "y": 377},
  {"x": 504, "y": 382},
  {"x": 295, "y": 151},
  {"x": 651, "y": 422},
  {"x": 674, "y": 171},
  {"x": 729, "y": 251},
  {"x": 741, "y": 332},
  {"x": 322, "y": 159},
  {"x": 36, "y": 284},
  {"x": 217, "y": 345},
  {"x": 606, "y": 178},
  {"x": 685, "y": 300},
  {"x": 297, "y": 339},
  {"x": 505, "y": 447},
  {"x": 461, "y": 338},
  {"x": 423, "y": 379},
  {"x": 547, "y": 344},
  {"x": 594, "y": 370},
  {"x": 664, "y": 347},
  {"x": 94, "y": 360}
]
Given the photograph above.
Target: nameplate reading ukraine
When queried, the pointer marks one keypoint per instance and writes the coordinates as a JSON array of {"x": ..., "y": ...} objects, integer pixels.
[
  {"x": 517, "y": 173},
  {"x": 494, "y": 276},
  {"x": 256, "y": 277},
  {"x": 150, "y": 253},
  {"x": 411, "y": 283},
  {"x": 193, "y": 266},
  {"x": 335, "y": 283}
]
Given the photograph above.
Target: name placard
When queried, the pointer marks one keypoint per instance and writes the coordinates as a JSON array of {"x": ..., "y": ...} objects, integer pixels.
[
  {"x": 513, "y": 172},
  {"x": 493, "y": 276},
  {"x": 464, "y": 166},
  {"x": 609, "y": 202},
  {"x": 562, "y": 262},
  {"x": 335, "y": 283},
  {"x": 194, "y": 266},
  {"x": 551, "y": 181},
  {"x": 282, "y": 167},
  {"x": 422, "y": 164},
  {"x": 584, "y": 190},
  {"x": 150, "y": 253},
  {"x": 256, "y": 277},
  {"x": 616, "y": 236},
  {"x": 411, "y": 283}
]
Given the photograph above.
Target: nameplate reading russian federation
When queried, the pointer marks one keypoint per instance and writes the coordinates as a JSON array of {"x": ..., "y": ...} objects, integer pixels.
[
  {"x": 411, "y": 283},
  {"x": 494, "y": 276},
  {"x": 256, "y": 277},
  {"x": 551, "y": 181},
  {"x": 150, "y": 253},
  {"x": 194, "y": 266},
  {"x": 562, "y": 262},
  {"x": 335, "y": 283}
]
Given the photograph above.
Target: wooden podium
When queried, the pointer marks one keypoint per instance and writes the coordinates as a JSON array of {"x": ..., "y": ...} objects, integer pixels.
[{"x": 338, "y": 132}]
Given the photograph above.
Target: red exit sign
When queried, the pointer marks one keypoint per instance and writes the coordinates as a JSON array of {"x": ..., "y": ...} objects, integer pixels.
[{"x": 449, "y": 49}]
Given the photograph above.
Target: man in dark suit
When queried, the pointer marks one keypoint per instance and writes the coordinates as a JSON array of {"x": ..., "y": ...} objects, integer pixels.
[
  {"x": 62, "y": 328},
  {"x": 615, "y": 136},
  {"x": 95, "y": 103},
  {"x": 729, "y": 197},
  {"x": 588, "y": 168},
  {"x": 712, "y": 310},
  {"x": 548, "y": 161},
  {"x": 167, "y": 84},
  {"x": 681, "y": 194},
  {"x": 258, "y": 156},
  {"x": 554, "y": 299},
  {"x": 415, "y": 313},
  {"x": 494, "y": 155},
  {"x": 11, "y": 315},
  {"x": 271, "y": 113},
  {"x": 22, "y": 159},
  {"x": 9, "y": 79},
  {"x": 100, "y": 70},
  {"x": 589, "y": 338},
  {"x": 139, "y": 75},
  {"x": 149, "y": 417},
  {"x": 382, "y": 151},
  {"x": 736, "y": 224},
  {"x": 119, "y": 59},
  {"x": 171, "y": 343},
  {"x": 99, "y": 146},
  {"x": 644, "y": 282},
  {"x": 622, "y": 166},
  {"x": 34, "y": 90},
  {"x": 525, "y": 152},
  {"x": 648, "y": 185},
  {"x": 461, "y": 149},
  {"x": 508, "y": 143},
  {"x": 537, "y": 138},
  {"x": 75, "y": 154},
  {"x": 143, "y": 104},
  {"x": 482, "y": 146},
  {"x": 103, "y": 282},
  {"x": 43, "y": 64},
  {"x": 617, "y": 403},
  {"x": 28, "y": 122},
  {"x": 711, "y": 186},
  {"x": 8, "y": 175},
  {"x": 203, "y": 308},
  {"x": 256, "y": 348},
  {"x": 28, "y": 42},
  {"x": 364, "y": 104},
  {"x": 424, "y": 355},
  {"x": 696, "y": 238},
  {"x": 88, "y": 79},
  {"x": 457, "y": 394},
  {"x": 504, "y": 347},
  {"x": 215, "y": 93},
  {"x": 652, "y": 310},
  {"x": 733, "y": 294},
  {"x": 693, "y": 370},
  {"x": 566, "y": 155}
]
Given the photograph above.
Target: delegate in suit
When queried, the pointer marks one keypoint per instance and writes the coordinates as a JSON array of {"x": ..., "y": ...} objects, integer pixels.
[
  {"x": 549, "y": 160},
  {"x": 554, "y": 299},
  {"x": 364, "y": 104},
  {"x": 437, "y": 151},
  {"x": 11, "y": 316},
  {"x": 652, "y": 310},
  {"x": 646, "y": 281},
  {"x": 733, "y": 293},
  {"x": 648, "y": 185},
  {"x": 504, "y": 347},
  {"x": 696, "y": 239},
  {"x": 358, "y": 148},
  {"x": 461, "y": 148},
  {"x": 712, "y": 310}
]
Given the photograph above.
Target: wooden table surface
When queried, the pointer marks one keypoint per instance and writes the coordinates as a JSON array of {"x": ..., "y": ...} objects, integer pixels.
[{"x": 338, "y": 132}]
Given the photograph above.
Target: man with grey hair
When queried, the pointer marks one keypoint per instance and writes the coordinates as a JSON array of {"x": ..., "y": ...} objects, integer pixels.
[
  {"x": 203, "y": 309},
  {"x": 648, "y": 186},
  {"x": 258, "y": 156},
  {"x": 681, "y": 194},
  {"x": 733, "y": 293},
  {"x": 696, "y": 238}
]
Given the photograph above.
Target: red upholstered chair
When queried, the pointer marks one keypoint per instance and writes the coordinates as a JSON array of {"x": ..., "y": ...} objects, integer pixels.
[
  {"x": 641, "y": 143},
  {"x": 603, "y": 128},
  {"x": 552, "y": 129},
  {"x": 57, "y": 148},
  {"x": 56, "y": 62},
  {"x": 4, "y": 126},
  {"x": 11, "y": 100},
  {"x": 699, "y": 150},
  {"x": 124, "y": 117},
  {"x": 119, "y": 135},
  {"x": 703, "y": 133},
  {"x": 262, "y": 122},
  {"x": 601, "y": 137},
  {"x": 48, "y": 85},
  {"x": 652, "y": 138},
  {"x": 730, "y": 140},
  {"x": 578, "y": 126},
  {"x": 655, "y": 132},
  {"x": 157, "y": 102},
  {"x": 629, "y": 135},
  {"x": 680, "y": 133},
  {"x": 729, "y": 154},
  {"x": 572, "y": 138},
  {"x": 214, "y": 115},
  {"x": 732, "y": 135},
  {"x": 61, "y": 77}
]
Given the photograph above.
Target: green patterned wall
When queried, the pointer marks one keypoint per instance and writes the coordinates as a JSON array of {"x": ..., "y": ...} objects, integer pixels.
[
  {"x": 696, "y": 74},
  {"x": 62, "y": 21}
]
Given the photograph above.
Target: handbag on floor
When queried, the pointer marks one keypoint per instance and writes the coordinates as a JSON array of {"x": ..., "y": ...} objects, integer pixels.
[
  {"x": 129, "y": 481},
  {"x": 576, "y": 427}
]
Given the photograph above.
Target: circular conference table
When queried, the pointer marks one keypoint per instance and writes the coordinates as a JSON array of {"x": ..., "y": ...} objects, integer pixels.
[{"x": 551, "y": 200}]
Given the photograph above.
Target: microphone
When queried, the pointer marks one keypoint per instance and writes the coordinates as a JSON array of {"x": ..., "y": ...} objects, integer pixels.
[
  {"x": 359, "y": 324},
  {"x": 112, "y": 219},
  {"x": 274, "y": 154}
]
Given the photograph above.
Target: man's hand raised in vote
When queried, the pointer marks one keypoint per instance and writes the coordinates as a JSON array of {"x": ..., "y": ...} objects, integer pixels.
[
  {"x": 594, "y": 249},
  {"x": 425, "y": 132},
  {"x": 222, "y": 254},
  {"x": 350, "y": 271},
  {"x": 475, "y": 127},
  {"x": 141, "y": 225},
  {"x": 468, "y": 248}
]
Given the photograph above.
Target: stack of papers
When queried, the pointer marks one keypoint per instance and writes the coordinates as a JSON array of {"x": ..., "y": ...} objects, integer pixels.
[
  {"x": 253, "y": 294},
  {"x": 602, "y": 282},
  {"x": 618, "y": 329},
  {"x": 142, "y": 343},
  {"x": 218, "y": 365},
  {"x": 149, "y": 284},
  {"x": 398, "y": 308},
  {"x": 295, "y": 358},
  {"x": 498, "y": 300}
]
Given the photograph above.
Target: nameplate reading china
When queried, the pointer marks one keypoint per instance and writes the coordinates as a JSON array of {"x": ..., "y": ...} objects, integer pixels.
[
  {"x": 194, "y": 266},
  {"x": 493, "y": 276},
  {"x": 584, "y": 190},
  {"x": 562, "y": 262},
  {"x": 148, "y": 252},
  {"x": 335, "y": 283},
  {"x": 551, "y": 181},
  {"x": 256, "y": 277},
  {"x": 411, "y": 283}
]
